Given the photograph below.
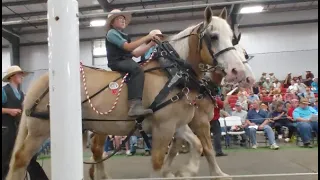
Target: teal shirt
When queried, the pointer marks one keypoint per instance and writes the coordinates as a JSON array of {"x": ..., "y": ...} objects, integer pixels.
[
  {"x": 149, "y": 52},
  {"x": 304, "y": 113},
  {"x": 114, "y": 37},
  {"x": 4, "y": 95}
]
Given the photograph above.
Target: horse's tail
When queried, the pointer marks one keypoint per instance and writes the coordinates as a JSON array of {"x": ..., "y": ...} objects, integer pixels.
[{"x": 22, "y": 135}]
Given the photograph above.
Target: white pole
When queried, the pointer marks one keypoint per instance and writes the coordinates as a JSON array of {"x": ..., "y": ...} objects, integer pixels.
[{"x": 65, "y": 101}]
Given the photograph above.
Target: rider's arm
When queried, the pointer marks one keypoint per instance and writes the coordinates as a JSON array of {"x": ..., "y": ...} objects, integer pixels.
[
  {"x": 4, "y": 100},
  {"x": 141, "y": 50},
  {"x": 114, "y": 37}
]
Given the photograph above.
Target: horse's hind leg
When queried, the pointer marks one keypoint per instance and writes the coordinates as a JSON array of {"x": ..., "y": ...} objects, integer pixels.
[
  {"x": 97, "y": 171},
  {"x": 201, "y": 127},
  {"x": 192, "y": 167}
]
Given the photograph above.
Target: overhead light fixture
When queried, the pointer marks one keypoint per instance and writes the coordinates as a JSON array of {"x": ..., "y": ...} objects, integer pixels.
[
  {"x": 97, "y": 23},
  {"x": 251, "y": 9}
]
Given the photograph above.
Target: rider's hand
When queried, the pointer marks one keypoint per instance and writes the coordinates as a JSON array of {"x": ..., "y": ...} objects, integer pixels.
[{"x": 14, "y": 112}]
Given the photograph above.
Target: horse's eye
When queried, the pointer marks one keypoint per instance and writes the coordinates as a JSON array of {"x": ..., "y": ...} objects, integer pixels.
[{"x": 214, "y": 37}]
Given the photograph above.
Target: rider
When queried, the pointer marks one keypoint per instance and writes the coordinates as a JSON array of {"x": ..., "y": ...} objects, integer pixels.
[{"x": 120, "y": 51}]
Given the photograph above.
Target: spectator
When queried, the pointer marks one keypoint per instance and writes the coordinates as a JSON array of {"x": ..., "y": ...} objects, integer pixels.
[
  {"x": 287, "y": 81},
  {"x": 293, "y": 87},
  {"x": 252, "y": 97},
  {"x": 216, "y": 128},
  {"x": 117, "y": 140},
  {"x": 276, "y": 84},
  {"x": 272, "y": 77},
  {"x": 134, "y": 144},
  {"x": 280, "y": 118},
  {"x": 263, "y": 94},
  {"x": 242, "y": 98},
  {"x": 314, "y": 85},
  {"x": 267, "y": 85},
  {"x": 277, "y": 95},
  {"x": 243, "y": 115},
  {"x": 301, "y": 88},
  {"x": 316, "y": 105},
  {"x": 309, "y": 95},
  {"x": 309, "y": 77},
  {"x": 305, "y": 126},
  {"x": 258, "y": 117},
  {"x": 107, "y": 145},
  {"x": 255, "y": 89},
  {"x": 294, "y": 104},
  {"x": 264, "y": 107},
  {"x": 263, "y": 78},
  {"x": 289, "y": 96}
]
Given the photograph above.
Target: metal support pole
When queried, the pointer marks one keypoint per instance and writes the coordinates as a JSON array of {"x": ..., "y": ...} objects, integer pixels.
[{"x": 65, "y": 96}]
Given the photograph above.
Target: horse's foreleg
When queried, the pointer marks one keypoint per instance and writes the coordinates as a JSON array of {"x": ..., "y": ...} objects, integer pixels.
[
  {"x": 202, "y": 130},
  {"x": 173, "y": 151},
  {"x": 192, "y": 167},
  {"x": 97, "y": 171},
  {"x": 161, "y": 137}
]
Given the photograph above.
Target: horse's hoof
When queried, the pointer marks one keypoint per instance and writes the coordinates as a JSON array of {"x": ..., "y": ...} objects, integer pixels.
[{"x": 168, "y": 174}]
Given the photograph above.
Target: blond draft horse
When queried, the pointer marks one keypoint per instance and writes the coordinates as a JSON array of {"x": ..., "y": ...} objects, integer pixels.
[
  {"x": 33, "y": 131},
  {"x": 199, "y": 124}
]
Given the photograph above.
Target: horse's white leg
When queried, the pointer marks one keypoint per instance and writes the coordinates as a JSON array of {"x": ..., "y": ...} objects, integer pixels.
[
  {"x": 162, "y": 134},
  {"x": 173, "y": 151},
  {"x": 97, "y": 171},
  {"x": 202, "y": 129},
  {"x": 192, "y": 167}
]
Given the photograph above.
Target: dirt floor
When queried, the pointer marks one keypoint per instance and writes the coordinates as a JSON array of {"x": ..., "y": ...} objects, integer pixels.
[{"x": 240, "y": 161}]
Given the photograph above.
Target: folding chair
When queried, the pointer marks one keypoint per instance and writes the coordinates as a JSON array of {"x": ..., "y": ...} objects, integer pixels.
[
  {"x": 223, "y": 126},
  {"x": 234, "y": 121}
]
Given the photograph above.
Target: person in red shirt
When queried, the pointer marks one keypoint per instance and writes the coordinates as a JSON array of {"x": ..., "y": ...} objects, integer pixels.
[
  {"x": 294, "y": 103},
  {"x": 216, "y": 128}
]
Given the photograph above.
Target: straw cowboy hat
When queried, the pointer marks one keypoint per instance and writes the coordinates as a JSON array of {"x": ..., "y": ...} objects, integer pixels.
[
  {"x": 12, "y": 70},
  {"x": 118, "y": 12},
  {"x": 158, "y": 33},
  {"x": 304, "y": 101},
  {"x": 264, "y": 73}
]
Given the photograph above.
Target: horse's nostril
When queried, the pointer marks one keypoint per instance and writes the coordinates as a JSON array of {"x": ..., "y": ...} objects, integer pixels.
[
  {"x": 234, "y": 71},
  {"x": 248, "y": 80}
]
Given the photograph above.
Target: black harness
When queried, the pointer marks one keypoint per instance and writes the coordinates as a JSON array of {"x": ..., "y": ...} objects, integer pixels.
[{"x": 180, "y": 74}]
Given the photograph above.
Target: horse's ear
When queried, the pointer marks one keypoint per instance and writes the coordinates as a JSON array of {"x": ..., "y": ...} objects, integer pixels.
[
  {"x": 239, "y": 37},
  {"x": 207, "y": 15},
  {"x": 224, "y": 13}
]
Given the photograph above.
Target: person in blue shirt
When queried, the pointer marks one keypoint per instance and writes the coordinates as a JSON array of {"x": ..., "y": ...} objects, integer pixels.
[
  {"x": 258, "y": 120},
  {"x": 120, "y": 51},
  {"x": 12, "y": 99},
  {"x": 302, "y": 115},
  {"x": 316, "y": 105},
  {"x": 314, "y": 85}
]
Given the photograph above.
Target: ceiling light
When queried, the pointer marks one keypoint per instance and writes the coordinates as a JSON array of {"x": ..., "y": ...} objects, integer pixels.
[
  {"x": 251, "y": 9},
  {"x": 96, "y": 23}
]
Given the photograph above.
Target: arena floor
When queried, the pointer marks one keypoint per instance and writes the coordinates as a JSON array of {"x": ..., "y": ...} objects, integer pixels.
[{"x": 240, "y": 161}]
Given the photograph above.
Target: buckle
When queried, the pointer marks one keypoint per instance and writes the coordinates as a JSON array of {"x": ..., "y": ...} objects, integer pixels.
[
  {"x": 175, "y": 98},
  {"x": 28, "y": 112},
  {"x": 163, "y": 53}
]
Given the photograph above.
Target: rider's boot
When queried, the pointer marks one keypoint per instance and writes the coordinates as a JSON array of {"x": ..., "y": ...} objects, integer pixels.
[{"x": 137, "y": 109}]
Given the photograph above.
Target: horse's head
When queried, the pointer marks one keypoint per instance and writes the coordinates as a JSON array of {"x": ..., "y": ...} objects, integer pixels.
[{"x": 216, "y": 35}]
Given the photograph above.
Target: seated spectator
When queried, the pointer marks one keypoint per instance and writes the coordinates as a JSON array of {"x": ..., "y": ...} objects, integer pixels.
[
  {"x": 267, "y": 85},
  {"x": 242, "y": 98},
  {"x": 263, "y": 78},
  {"x": 272, "y": 106},
  {"x": 309, "y": 95},
  {"x": 243, "y": 115},
  {"x": 289, "y": 96},
  {"x": 117, "y": 140},
  {"x": 277, "y": 95},
  {"x": 272, "y": 77},
  {"x": 309, "y": 77},
  {"x": 287, "y": 81},
  {"x": 255, "y": 89},
  {"x": 276, "y": 84},
  {"x": 264, "y": 107},
  {"x": 134, "y": 144},
  {"x": 302, "y": 115},
  {"x": 258, "y": 117},
  {"x": 280, "y": 118},
  {"x": 314, "y": 85},
  {"x": 293, "y": 105},
  {"x": 293, "y": 87},
  {"x": 301, "y": 88},
  {"x": 263, "y": 94},
  {"x": 316, "y": 105},
  {"x": 252, "y": 96}
]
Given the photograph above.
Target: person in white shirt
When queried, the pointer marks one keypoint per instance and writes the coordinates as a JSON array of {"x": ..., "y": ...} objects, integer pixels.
[
  {"x": 301, "y": 88},
  {"x": 293, "y": 87},
  {"x": 243, "y": 115},
  {"x": 276, "y": 84}
]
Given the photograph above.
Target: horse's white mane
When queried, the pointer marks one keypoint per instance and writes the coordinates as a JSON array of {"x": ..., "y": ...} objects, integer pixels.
[{"x": 182, "y": 45}]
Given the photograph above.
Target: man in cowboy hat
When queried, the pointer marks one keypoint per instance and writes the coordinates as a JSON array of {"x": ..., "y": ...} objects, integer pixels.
[
  {"x": 263, "y": 78},
  {"x": 305, "y": 125},
  {"x": 309, "y": 77},
  {"x": 12, "y": 99},
  {"x": 120, "y": 51}
]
